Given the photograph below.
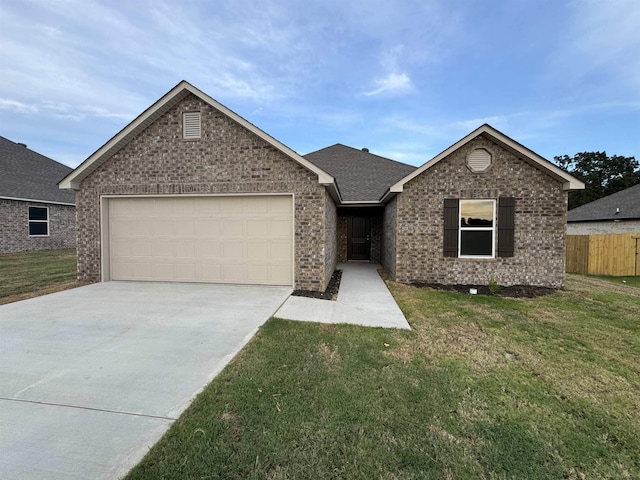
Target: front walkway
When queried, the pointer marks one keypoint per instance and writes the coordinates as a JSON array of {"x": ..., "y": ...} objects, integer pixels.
[{"x": 363, "y": 299}]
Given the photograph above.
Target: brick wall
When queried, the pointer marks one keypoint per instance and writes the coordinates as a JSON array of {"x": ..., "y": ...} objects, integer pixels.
[
  {"x": 227, "y": 159},
  {"x": 341, "y": 234},
  {"x": 331, "y": 239},
  {"x": 389, "y": 228},
  {"x": 540, "y": 219},
  {"x": 376, "y": 239},
  {"x": 14, "y": 227}
]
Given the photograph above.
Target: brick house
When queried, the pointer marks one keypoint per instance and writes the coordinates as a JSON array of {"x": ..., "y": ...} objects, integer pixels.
[
  {"x": 34, "y": 213},
  {"x": 191, "y": 191}
]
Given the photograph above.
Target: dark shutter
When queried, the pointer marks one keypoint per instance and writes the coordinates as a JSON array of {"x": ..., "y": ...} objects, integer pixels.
[
  {"x": 451, "y": 219},
  {"x": 506, "y": 223}
]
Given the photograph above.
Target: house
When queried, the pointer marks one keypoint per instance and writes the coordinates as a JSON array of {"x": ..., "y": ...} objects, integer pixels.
[
  {"x": 34, "y": 213},
  {"x": 190, "y": 191},
  {"x": 615, "y": 213}
]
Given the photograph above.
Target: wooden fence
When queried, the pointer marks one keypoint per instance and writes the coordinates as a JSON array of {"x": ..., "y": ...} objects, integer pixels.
[{"x": 609, "y": 254}]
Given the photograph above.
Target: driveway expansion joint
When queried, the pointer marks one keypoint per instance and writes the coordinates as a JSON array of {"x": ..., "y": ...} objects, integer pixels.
[{"x": 63, "y": 405}]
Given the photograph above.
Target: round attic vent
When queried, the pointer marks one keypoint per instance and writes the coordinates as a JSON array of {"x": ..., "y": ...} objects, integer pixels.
[{"x": 479, "y": 160}]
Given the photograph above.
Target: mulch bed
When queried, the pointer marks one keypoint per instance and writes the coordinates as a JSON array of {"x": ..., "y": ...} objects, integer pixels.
[
  {"x": 331, "y": 293},
  {"x": 513, "y": 291}
]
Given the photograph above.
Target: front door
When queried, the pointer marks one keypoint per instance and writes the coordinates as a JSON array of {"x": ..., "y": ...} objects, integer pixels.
[{"x": 359, "y": 238}]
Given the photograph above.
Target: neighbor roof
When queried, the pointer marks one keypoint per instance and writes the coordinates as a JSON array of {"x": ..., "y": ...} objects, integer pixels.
[
  {"x": 159, "y": 108},
  {"x": 569, "y": 182},
  {"x": 362, "y": 176},
  {"x": 627, "y": 201},
  {"x": 28, "y": 175}
]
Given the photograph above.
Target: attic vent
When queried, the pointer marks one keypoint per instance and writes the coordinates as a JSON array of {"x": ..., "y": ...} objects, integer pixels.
[
  {"x": 365, "y": 150},
  {"x": 191, "y": 125},
  {"x": 479, "y": 160}
]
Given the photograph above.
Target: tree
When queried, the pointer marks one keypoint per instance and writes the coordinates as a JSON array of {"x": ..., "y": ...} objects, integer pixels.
[{"x": 601, "y": 174}]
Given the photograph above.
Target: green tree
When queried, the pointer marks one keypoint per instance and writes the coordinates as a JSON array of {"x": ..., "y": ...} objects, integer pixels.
[{"x": 602, "y": 175}]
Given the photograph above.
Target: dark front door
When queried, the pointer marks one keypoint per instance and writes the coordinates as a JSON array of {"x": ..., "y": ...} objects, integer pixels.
[{"x": 359, "y": 238}]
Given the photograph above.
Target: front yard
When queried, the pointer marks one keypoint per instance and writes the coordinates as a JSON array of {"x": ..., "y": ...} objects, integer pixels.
[
  {"x": 29, "y": 274},
  {"x": 483, "y": 387}
]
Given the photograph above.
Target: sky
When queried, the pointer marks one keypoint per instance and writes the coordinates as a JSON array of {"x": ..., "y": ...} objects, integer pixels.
[{"x": 404, "y": 78}]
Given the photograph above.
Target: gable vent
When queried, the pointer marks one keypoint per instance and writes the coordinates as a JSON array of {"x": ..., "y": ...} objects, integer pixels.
[
  {"x": 479, "y": 160},
  {"x": 191, "y": 126}
]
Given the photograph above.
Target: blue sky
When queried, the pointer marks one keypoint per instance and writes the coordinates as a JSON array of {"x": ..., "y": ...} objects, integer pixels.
[{"x": 404, "y": 78}]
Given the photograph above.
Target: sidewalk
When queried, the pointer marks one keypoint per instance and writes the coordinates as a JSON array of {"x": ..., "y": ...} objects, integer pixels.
[{"x": 363, "y": 299}]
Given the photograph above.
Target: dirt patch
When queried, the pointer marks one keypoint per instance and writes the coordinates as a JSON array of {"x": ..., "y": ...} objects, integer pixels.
[
  {"x": 513, "y": 291},
  {"x": 43, "y": 291},
  {"x": 331, "y": 293}
]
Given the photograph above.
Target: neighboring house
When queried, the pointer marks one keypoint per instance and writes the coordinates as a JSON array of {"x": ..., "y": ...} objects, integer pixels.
[
  {"x": 615, "y": 213},
  {"x": 190, "y": 191},
  {"x": 34, "y": 213}
]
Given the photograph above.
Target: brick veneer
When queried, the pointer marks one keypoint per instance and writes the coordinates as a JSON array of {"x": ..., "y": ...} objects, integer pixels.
[
  {"x": 389, "y": 221},
  {"x": 331, "y": 240},
  {"x": 14, "y": 227},
  {"x": 540, "y": 219},
  {"x": 227, "y": 159}
]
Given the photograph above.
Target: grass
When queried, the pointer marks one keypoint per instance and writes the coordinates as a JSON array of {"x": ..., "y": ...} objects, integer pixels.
[
  {"x": 482, "y": 387},
  {"x": 29, "y": 274},
  {"x": 631, "y": 281}
]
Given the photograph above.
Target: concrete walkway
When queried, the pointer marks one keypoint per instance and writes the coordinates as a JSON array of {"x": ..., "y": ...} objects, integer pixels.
[{"x": 363, "y": 299}]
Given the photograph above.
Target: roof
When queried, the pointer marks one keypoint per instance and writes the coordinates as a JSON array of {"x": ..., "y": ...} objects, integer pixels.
[
  {"x": 28, "y": 175},
  {"x": 159, "y": 108},
  {"x": 362, "y": 176},
  {"x": 625, "y": 202},
  {"x": 569, "y": 182}
]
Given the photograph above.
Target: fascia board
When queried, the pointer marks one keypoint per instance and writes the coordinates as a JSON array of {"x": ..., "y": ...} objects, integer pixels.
[
  {"x": 75, "y": 177},
  {"x": 569, "y": 182}
]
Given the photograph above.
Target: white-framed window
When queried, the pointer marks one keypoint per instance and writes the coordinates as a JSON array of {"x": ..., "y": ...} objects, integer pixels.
[
  {"x": 477, "y": 232},
  {"x": 38, "y": 221},
  {"x": 191, "y": 125}
]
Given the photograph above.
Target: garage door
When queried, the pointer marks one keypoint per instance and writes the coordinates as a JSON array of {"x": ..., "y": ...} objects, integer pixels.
[{"x": 235, "y": 239}]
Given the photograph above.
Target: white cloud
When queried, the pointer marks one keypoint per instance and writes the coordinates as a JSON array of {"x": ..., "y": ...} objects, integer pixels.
[{"x": 393, "y": 83}]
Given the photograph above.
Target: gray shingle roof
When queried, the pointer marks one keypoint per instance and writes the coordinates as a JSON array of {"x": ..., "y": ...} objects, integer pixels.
[
  {"x": 28, "y": 175},
  {"x": 627, "y": 200},
  {"x": 361, "y": 176}
]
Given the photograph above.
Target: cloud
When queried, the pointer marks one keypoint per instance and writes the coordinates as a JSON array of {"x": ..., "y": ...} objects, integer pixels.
[{"x": 393, "y": 83}]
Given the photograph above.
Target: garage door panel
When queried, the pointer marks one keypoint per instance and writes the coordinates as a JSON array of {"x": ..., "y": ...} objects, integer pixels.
[{"x": 202, "y": 239}]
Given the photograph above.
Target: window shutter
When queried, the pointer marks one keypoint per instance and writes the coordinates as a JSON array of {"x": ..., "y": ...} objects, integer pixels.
[
  {"x": 506, "y": 224},
  {"x": 450, "y": 238},
  {"x": 191, "y": 124}
]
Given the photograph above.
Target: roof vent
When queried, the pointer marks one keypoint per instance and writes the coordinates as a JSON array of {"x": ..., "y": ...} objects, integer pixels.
[
  {"x": 365, "y": 149},
  {"x": 191, "y": 127},
  {"x": 479, "y": 160},
  {"x": 617, "y": 210},
  {"x": 22, "y": 144}
]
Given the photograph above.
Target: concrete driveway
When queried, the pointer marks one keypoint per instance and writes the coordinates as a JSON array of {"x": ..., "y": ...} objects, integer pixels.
[{"x": 91, "y": 378}]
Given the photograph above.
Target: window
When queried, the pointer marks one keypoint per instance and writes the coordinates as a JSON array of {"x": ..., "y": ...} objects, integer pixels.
[
  {"x": 191, "y": 127},
  {"x": 477, "y": 228},
  {"x": 38, "y": 222},
  {"x": 470, "y": 229}
]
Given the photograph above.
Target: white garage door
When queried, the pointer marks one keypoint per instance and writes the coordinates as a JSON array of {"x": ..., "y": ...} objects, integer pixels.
[{"x": 235, "y": 239}]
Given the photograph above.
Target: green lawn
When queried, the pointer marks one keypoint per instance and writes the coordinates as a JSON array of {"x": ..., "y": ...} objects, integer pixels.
[
  {"x": 483, "y": 387},
  {"x": 28, "y": 274},
  {"x": 631, "y": 281}
]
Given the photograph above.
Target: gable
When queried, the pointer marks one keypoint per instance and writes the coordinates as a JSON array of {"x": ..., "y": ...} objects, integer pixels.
[
  {"x": 226, "y": 153},
  {"x": 486, "y": 131},
  {"x": 161, "y": 107}
]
